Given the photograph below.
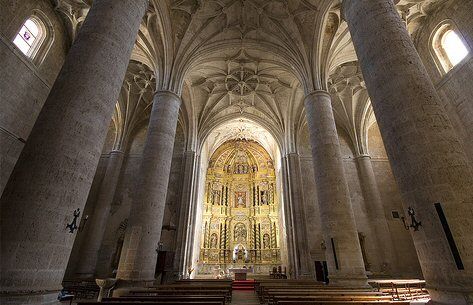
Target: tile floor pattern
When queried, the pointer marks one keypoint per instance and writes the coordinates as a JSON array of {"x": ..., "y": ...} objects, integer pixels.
[{"x": 246, "y": 297}]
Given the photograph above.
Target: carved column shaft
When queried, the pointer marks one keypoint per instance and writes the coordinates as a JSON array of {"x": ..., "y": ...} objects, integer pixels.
[
  {"x": 296, "y": 204},
  {"x": 426, "y": 156},
  {"x": 98, "y": 221},
  {"x": 375, "y": 211},
  {"x": 54, "y": 173},
  {"x": 138, "y": 259},
  {"x": 344, "y": 257}
]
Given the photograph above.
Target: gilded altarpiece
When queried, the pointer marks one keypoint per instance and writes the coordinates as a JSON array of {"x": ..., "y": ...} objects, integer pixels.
[{"x": 241, "y": 209}]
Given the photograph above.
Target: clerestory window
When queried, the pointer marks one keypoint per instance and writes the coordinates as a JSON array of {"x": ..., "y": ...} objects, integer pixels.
[
  {"x": 449, "y": 47},
  {"x": 35, "y": 37},
  {"x": 29, "y": 37}
]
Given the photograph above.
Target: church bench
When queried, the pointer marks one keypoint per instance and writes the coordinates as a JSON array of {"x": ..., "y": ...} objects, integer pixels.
[
  {"x": 272, "y": 296},
  {"x": 307, "y": 288},
  {"x": 318, "y": 298},
  {"x": 206, "y": 281},
  {"x": 402, "y": 289},
  {"x": 339, "y": 303},
  {"x": 181, "y": 298},
  {"x": 190, "y": 291},
  {"x": 185, "y": 302},
  {"x": 267, "y": 293}
]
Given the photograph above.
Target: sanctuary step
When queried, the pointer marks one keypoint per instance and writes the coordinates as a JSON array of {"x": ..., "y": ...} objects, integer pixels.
[{"x": 244, "y": 285}]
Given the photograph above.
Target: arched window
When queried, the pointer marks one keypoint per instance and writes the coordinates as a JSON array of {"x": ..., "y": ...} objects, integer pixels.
[
  {"x": 449, "y": 47},
  {"x": 29, "y": 37},
  {"x": 454, "y": 47},
  {"x": 35, "y": 37}
]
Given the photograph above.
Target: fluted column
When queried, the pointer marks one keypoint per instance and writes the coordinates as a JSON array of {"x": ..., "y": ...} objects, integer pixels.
[
  {"x": 138, "y": 258},
  {"x": 54, "y": 173},
  {"x": 296, "y": 204},
  {"x": 375, "y": 211},
  {"x": 426, "y": 156},
  {"x": 98, "y": 221},
  {"x": 345, "y": 261}
]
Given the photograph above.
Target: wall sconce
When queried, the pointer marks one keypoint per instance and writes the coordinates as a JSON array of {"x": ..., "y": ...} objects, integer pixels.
[
  {"x": 73, "y": 225},
  {"x": 323, "y": 246},
  {"x": 414, "y": 223}
]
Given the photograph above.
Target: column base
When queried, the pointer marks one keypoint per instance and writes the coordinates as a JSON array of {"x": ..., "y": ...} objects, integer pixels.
[
  {"x": 30, "y": 298},
  {"x": 450, "y": 297}
]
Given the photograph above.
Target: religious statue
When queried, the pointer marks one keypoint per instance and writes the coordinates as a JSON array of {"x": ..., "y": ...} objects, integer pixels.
[
  {"x": 240, "y": 200},
  {"x": 266, "y": 241},
  {"x": 239, "y": 233},
  {"x": 240, "y": 254},
  {"x": 213, "y": 241},
  {"x": 216, "y": 197},
  {"x": 264, "y": 198}
]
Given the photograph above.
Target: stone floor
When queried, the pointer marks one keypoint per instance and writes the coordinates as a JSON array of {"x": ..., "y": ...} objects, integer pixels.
[{"x": 244, "y": 297}]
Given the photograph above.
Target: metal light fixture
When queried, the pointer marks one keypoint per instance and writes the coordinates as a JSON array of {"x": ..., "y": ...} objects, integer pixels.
[
  {"x": 414, "y": 223},
  {"x": 73, "y": 225}
]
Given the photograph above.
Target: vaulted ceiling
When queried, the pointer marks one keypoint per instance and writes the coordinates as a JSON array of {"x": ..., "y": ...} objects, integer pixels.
[{"x": 255, "y": 59}]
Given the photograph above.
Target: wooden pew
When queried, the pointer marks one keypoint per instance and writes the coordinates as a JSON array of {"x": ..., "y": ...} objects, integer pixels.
[
  {"x": 338, "y": 298},
  {"x": 402, "y": 289},
  {"x": 205, "y": 281},
  {"x": 159, "y": 298},
  {"x": 339, "y": 303},
  {"x": 154, "y": 303},
  {"x": 265, "y": 291},
  {"x": 189, "y": 290}
]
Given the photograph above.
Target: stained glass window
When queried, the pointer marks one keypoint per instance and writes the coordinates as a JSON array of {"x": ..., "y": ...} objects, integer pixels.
[{"x": 27, "y": 36}]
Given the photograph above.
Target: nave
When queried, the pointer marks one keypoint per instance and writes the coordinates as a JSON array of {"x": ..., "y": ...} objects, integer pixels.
[{"x": 147, "y": 141}]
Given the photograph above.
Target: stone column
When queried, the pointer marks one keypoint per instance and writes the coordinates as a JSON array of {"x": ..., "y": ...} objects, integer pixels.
[
  {"x": 98, "y": 221},
  {"x": 338, "y": 220},
  {"x": 289, "y": 222},
  {"x": 375, "y": 212},
  {"x": 138, "y": 258},
  {"x": 296, "y": 204},
  {"x": 193, "y": 246},
  {"x": 425, "y": 154},
  {"x": 186, "y": 212},
  {"x": 54, "y": 173}
]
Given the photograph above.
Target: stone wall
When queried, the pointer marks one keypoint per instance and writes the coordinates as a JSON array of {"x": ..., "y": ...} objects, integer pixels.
[
  {"x": 24, "y": 86},
  {"x": 455, "y": 88}
]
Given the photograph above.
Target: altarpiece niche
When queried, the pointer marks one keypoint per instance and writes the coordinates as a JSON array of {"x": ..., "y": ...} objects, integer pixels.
[{"x": 241, "y": 209}]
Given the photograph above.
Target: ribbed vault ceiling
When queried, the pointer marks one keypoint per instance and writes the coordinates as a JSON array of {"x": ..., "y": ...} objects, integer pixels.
[{"x": 254, "y": 59}]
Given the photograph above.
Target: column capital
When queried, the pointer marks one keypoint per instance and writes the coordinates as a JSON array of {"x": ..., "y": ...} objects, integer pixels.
[
  {"x": 362, "y": 156},
  {"x": 317, "y": 93},
  {"x": 292, "y": 153},
  {"x": 117, "y": 152},
  {"x": 167, "y": 93}
]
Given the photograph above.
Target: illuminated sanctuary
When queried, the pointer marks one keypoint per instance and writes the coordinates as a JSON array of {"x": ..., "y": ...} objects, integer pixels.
[{"x": 241, "y": 209}]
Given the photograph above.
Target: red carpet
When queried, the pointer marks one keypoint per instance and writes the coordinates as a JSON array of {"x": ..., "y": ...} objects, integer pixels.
[{"x": 243, "y": 285}]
